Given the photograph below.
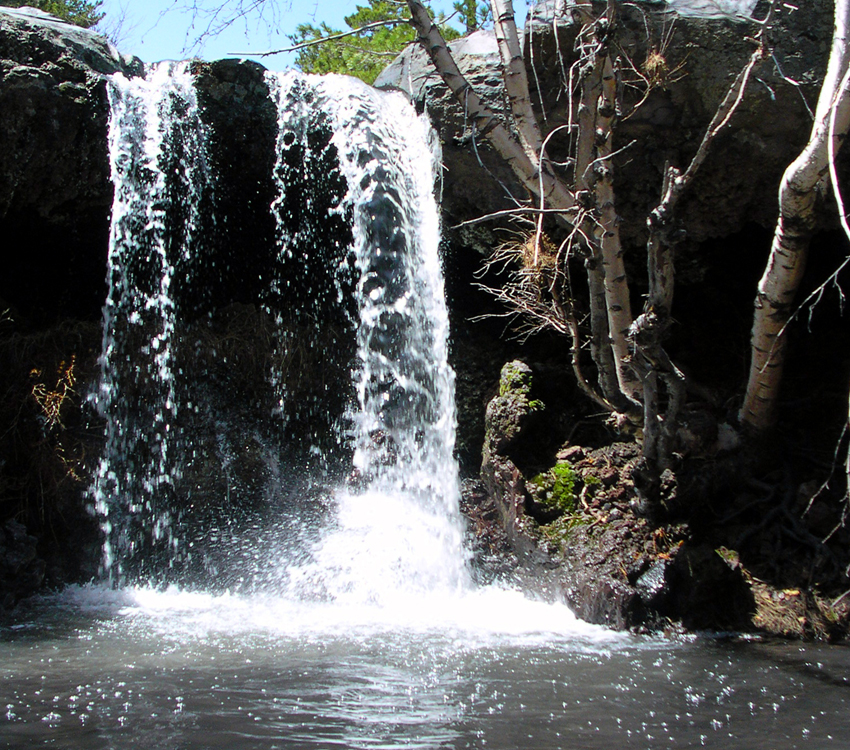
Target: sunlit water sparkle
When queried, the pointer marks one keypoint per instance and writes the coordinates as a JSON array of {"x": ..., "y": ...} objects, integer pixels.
[{"x": 139, "y": 668}]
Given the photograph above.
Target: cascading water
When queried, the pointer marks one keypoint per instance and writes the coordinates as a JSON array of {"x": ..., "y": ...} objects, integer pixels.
[
  {"x": 159, "y": 171},
  {"x": 394, "y": 528},
  {"x": 398, "y": 529}
]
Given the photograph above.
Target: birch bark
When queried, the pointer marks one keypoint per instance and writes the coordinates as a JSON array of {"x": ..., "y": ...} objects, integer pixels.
[
  {"x": 802, "y": 184},
  {"x": 527, "y": 167}
]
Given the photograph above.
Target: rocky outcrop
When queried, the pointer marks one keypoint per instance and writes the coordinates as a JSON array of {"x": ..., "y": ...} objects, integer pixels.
[
  {"x": 614, "y": 565},
  {"x": 507, "y": 419},
  {"x": 576, "y": 535},
  {"x": 55, "y": 193},
  {"x": 724, "y": 219},
  {"x": 701, "y": 56},
  {"x": 55, "y": 203}
]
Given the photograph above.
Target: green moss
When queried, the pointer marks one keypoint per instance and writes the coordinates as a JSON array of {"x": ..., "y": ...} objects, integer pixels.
[
  {"x": 515, "y": 378},
  {"x": 515, "y": 386},
  {"x": 556, "y": 487}
]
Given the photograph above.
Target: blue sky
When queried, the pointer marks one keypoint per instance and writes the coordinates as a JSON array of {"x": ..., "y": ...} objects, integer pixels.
[{"x": 163, "y": 30}]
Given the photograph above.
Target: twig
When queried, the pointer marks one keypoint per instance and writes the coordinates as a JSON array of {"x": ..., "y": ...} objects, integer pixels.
[
  {"x": 508, "y": 212},
  {"x": 323, "y": 39},
  {"x": 836, "y": 601}
]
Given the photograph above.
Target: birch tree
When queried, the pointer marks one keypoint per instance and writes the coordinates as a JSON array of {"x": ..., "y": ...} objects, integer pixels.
[
  {"x": 523, "y": 147},
  {"x": 629, "y": 354},
  {"x": 802, "y": 188}
]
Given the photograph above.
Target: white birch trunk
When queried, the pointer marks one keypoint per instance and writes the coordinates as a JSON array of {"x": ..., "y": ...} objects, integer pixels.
[
  {"x": 801, "y": 185},
  {"x": 600, "y": 349},
  {"x": 535, "y": 179},
  {"x": 617, "y": 298},
  {"x": 516, "y": 78}
]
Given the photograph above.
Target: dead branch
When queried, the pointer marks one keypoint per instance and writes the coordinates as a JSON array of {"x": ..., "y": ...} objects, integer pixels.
[{"x": 328, "y": 38}]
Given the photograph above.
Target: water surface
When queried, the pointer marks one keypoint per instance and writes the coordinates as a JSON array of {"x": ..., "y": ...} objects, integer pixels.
[{"x": 96, "y": 668}]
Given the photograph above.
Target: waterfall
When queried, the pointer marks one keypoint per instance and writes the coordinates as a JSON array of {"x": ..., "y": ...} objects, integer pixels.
[
  {"x": 398, "y": 529},
  {"x": 158, "y": 165},
  {"x": 358, "y": 251}
]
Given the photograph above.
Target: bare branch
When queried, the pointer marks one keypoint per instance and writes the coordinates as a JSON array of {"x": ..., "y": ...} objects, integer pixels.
[
  {"x": 329, "y": 38},
  {"x": 507, "y": 213}
]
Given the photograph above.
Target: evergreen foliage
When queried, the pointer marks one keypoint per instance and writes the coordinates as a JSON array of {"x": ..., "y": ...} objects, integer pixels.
[
  {"x": 474, "y": 14},
  {"x": 85, "y": 13},
  {"x": 364, "y": 54}
]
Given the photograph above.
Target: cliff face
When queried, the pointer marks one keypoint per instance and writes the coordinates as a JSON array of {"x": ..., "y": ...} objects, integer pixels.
[
  {"x": 55, "y": 204},
  {"x": 55, "y": 193}
]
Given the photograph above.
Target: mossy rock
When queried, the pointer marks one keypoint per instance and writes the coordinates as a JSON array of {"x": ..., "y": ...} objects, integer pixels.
[
  {"x": 555, "y": 490},
  {"x": 515, "y": 379},
  {"x": 559, "y": 531},
  {"x": 509, "y": 413}
]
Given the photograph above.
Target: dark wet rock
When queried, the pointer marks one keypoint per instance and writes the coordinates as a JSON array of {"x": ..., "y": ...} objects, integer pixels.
[
  {"x": 55, "y": 202},
  {"x": 507, "y": 419},
  {"x": 610, "y": 565},
  {"x": 48, "y": 447},
  {"x": 55, "y": 193},
  {"x": 476, "y": 354},
  {"x": 706, "y": 593},
  {"x": 506, "y": 486},
  {"x": 625, "y": 572},
  {"x": 652, "y": 586},
  {"x": 241, "y": 121},
  {"x": 21, "y": 569},
  {"x": 487, "y": 540},
  {"x": 597, "y": 590}
]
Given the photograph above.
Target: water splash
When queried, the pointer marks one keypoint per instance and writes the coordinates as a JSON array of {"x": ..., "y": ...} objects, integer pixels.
[
  {"x": 158, "y": 164},
  {"x": 397, "y": 530}
]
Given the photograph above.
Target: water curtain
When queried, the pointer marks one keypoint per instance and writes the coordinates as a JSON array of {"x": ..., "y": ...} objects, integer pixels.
[
  {"x": 398, "y": 529},
  {"x": 367, "y": 243},
  {"x": 159, "y": 171}
]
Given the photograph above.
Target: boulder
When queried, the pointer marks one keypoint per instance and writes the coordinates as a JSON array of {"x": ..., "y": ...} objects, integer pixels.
[
  {"x": 55, "y": 193},
  {"x": 702, "y": 52},
  {"x": 475, "y": 179}
]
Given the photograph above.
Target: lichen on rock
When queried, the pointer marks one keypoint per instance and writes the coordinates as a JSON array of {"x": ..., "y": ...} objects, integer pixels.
[{"x": 509, "y": 414}]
